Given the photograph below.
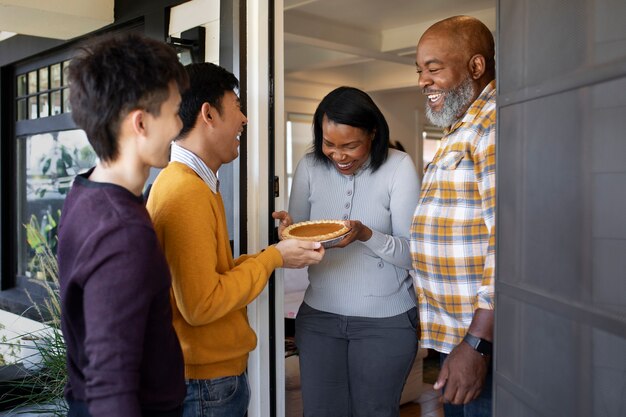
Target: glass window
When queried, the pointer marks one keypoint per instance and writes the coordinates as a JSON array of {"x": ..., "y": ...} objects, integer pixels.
[
  {"x": 55, "y": 75},
  {"x": 43, "y": 79},
  {"x": 32, "y": 82},
  {"x": 44, "y": 108},
  {"x": 299, "y": 141},
  {"x": 32, "y": 107},
  {"x": 50, "y": 161},
  {"x": 22, "y": 109},
  {"x": 42, "y": 92},
  {"x": 22, "y": 85},
  {"x": 55, "y": 100},
  {"x": 66, "y": 64},
  {"x": 67, "y": 107}
]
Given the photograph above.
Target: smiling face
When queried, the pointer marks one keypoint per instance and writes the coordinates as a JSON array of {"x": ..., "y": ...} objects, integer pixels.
[
  {"x": 444, "y": 78},
  {"x": 347, "y": 147},
  {"x": 226, "y": 129}
]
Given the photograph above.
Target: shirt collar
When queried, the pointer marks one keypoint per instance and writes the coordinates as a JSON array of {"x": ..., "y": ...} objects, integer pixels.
[{"x": 186, "y": 157}]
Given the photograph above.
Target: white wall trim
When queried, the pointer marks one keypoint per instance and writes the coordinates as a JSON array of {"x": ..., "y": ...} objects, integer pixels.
[
  {"x": 281, "y": 201},
  {"x": 257, "y": 193}
]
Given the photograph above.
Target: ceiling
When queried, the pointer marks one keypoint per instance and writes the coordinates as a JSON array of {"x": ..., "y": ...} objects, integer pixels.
[
  {"x": 58, "y": 19},
  {"x": 360, "y": 36}
]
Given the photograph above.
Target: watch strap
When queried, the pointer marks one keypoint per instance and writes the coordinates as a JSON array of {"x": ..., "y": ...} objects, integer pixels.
[{"x": 482, "y": 346}]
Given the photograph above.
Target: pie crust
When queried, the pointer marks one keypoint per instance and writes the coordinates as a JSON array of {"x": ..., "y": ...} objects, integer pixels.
[{"x": 316, "y": 230}]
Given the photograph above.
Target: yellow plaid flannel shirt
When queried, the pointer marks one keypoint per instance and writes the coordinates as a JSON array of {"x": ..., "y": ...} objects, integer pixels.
[{"x": 453, "y": 229}]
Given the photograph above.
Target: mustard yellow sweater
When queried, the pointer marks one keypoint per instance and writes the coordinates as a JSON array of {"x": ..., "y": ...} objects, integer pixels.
[{"x": 210, "y": 290}]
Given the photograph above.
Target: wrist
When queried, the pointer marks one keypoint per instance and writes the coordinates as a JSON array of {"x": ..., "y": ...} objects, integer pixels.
[
  {"x": 366, "y": 234},
  {"x": 482, "y": 346}
]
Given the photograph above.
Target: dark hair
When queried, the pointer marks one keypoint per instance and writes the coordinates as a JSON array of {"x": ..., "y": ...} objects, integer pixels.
[
  {"x": 207, "y": 84},
  {"x": 114, "y": 74},
  {"x": 353, "y": 107}
]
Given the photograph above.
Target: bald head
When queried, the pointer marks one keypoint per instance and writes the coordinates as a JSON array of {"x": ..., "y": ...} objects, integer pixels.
[
  {"x": 455, "y": 62},
  {"x": 465, "y": 36}
]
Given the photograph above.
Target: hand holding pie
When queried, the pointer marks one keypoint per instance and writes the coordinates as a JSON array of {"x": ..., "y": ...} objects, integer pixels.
[
  {"x": 358, "y": 231},
  {"x": 298, "y": 253},
  {"x": 285, "y": 221}
]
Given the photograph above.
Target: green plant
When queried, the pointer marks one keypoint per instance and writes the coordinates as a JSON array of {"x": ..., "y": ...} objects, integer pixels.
[
  {"x": 42, "y": 241},
  {"x": 43, "y": 385}
]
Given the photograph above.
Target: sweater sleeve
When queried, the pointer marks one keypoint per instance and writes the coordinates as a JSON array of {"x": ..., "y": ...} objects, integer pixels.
[
  {"x": 404, "y": 192},
  {"x": 206, "y": 283},
  {"x": 114, "y": 343}
]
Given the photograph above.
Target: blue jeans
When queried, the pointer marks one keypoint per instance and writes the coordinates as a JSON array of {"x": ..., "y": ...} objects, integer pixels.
[
  {"x": 219, "y": 397},
  {"x": 480, "y": 407}
]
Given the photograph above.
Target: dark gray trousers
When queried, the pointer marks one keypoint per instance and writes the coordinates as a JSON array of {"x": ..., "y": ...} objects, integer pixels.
[{"x": 354, "y": 366}]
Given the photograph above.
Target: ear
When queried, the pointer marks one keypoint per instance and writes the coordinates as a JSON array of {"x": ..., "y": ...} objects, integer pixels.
[
  {"x": 206, "y": 113},
  {"x": 137, "y": 121},
  {"x": 477, "y": 66}
]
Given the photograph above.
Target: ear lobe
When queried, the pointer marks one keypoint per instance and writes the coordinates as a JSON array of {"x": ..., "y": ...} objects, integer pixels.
[{"x": 477, "y": 66}]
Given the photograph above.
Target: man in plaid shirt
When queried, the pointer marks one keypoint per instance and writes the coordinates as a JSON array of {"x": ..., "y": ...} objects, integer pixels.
[{"x": 453, "y": 231}]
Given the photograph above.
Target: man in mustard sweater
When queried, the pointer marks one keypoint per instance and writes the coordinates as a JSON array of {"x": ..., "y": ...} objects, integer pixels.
[{"x": 210, "y": 290}]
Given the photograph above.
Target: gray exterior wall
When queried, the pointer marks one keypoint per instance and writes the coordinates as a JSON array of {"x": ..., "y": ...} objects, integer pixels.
[{"x": 561, "y": 268}]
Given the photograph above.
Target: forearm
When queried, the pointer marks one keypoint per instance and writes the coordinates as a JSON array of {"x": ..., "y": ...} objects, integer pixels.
[
  {"x": 482, "y": 324},
  {"x": 203, "y": 294}
]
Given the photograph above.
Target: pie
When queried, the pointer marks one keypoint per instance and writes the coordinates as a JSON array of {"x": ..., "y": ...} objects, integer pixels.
[{"x": 316, "y": 230}]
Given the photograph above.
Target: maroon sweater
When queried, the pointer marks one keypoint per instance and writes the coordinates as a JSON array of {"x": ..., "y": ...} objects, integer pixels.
[{"x": 123, "y": 356}]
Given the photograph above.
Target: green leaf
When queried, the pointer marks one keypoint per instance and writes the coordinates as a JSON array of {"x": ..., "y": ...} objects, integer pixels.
[
  {"x": 67, "y": 158},
  {"x": 46, "y": 165},
  {"x": 61, "y": 168}
]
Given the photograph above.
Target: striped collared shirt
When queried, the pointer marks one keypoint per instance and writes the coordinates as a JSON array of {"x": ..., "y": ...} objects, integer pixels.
[
  {"x": 453, "y": 230},
  {"x": 184, "y": 156}
]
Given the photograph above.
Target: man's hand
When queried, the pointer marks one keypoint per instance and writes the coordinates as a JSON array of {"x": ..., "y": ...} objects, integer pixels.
[
  {"x": 285, "y": 220},
  {"x": 300, "y": 253},
  {"x": 462, "y": 374}
]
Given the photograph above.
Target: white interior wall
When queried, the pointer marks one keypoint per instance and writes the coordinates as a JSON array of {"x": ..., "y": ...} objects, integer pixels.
[{"x": 401, "y": 109}]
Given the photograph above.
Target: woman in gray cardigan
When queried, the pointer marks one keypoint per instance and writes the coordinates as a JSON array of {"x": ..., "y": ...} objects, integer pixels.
[{"x": 356, "y": 330}]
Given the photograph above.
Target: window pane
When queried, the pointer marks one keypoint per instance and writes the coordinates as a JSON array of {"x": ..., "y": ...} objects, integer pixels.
[
  {"x": 55, "y": 75},
  {"x": 32, "y": 82},
  {"x": 52, "y": 160},
  {"x": 67, "y": 107},
  {"x": 21, "y": 85},
  {"x": 43, "y": 79},
  {"x": 65, "y": 65},
  {"x": 44, "y": 108},
  {"x": 22, "y": 109},
  {"x": 55, "y": 98},
  {"x": 32, "y": 107}
]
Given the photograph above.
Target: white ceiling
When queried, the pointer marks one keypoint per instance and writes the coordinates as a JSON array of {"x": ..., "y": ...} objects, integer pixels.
[
  {"x": 364, "y": 38},
  {"x": 59, "y": 19}
]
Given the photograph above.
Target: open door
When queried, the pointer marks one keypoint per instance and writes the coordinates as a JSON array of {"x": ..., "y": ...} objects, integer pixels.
[{"x": 561, "y": 269}]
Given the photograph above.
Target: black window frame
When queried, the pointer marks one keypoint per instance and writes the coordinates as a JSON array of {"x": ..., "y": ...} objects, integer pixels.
[{"x": 17, "y": 293}]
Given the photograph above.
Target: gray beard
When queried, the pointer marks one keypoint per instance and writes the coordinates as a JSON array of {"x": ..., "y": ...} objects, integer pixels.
[{"x": 456, "y": 101}]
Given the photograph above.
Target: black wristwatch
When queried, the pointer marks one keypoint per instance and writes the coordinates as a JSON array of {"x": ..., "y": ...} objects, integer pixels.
[{"x": 482, "y": 346}]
